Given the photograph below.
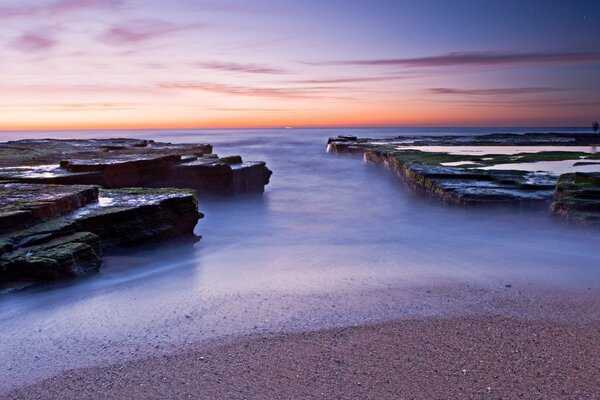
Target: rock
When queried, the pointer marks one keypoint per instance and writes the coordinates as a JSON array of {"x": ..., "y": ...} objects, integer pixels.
[
  {"x": 214, "y": 176},
  {"x": 121, "y": 163},
  {"x": 424, "y": 173},
  {"x": 577, "y": 198},
  {"x": 64, "y": 201},
  {"x": 69, "y": 256},
  {"x": 136, "y": 215},
  {"x": 22, "y": 205},
  {"x": 68, "y": 241},
  {"x": 464, "y": 179}
]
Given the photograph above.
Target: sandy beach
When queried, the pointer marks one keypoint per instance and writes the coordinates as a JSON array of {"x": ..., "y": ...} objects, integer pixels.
[{"x": 549, "y": 351}]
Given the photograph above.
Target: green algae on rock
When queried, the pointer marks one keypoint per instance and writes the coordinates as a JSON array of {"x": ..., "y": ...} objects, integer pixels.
[
  {"x": 577, "y": 198},
  {"x": 69, "y": 244},
  {"x": 69, "y": 256}
]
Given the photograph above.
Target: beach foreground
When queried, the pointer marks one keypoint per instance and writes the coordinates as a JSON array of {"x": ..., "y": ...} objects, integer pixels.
[{"x": 477, "y": 356}]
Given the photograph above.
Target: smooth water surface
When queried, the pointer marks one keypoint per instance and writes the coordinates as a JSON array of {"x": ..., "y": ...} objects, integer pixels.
[
  {"x": 554, "y": 167},
  {"x": 333, "y": 241}
]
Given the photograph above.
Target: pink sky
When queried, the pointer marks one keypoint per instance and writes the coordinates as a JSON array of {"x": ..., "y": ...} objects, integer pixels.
[{"x": 72, "y": 64}]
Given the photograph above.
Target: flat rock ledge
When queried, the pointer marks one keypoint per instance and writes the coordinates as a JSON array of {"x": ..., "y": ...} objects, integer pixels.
[
  {"x": 121, "y": 163},
  {"x": 474, "y": 179},
  {"x": 63, "y": 202}
]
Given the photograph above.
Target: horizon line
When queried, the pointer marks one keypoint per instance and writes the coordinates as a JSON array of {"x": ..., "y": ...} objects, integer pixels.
[{"x": 297, "y": 127}]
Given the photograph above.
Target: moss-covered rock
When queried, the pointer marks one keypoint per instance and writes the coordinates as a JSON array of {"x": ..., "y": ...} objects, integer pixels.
[
  {"x": 69, "y": 256},
  {"x": 69, "y": 244},
  {"x": 577, "y": 198}
]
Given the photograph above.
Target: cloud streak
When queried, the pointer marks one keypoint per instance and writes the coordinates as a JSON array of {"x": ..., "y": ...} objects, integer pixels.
[
  {"x": 57, "y": 7},
  {"x": 493, "y": 92},
  {"x": 243, "y": 68},
  {"x": 30, "y": 42},
  {"x": 141, "y": 31},
  {"x": 79, "y": 89},
  {"x": 347, "y": 80},
  {"x": 234, "y": 90},
  {"x": 521, "y": 103},
  {"x": 72, "y": 107},
  {"x": 457, "y": 59}
]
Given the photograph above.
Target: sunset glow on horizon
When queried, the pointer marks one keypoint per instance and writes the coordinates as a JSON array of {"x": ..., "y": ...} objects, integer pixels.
[{"x": 117, "y": 64}]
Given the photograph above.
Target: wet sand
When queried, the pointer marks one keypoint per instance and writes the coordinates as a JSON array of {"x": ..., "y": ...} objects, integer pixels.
[{"x": 485, "y": 356}]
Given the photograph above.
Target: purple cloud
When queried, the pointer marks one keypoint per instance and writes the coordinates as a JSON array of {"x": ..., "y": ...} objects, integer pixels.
[
  {"x": 474, "y": 59},
  {"x": 493, "y": 92},
  {"x": 487, "y": 102},
  {"x": 33, "y": 42},
  {"x": 57, "y": 7},
  {"x": 347, "y": 80},
  {"x": 242, "y": 7},
  {"x": 78, "y": 89},
  {"x": 140, "y": 31},
  {"x": 72, "y": 106},
  {"x": 244, "y": 68}
]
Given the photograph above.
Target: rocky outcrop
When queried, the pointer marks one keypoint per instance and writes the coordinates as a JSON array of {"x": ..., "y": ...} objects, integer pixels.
[
  {"x": 577, "y": 198},
  {"x": 467, "y": 179},
  {"x": 121, "y": 163},
  {"x": 62, "y": 202},
  {"x": 70, "y": 244},
  {"x": 464, "y": 187}
]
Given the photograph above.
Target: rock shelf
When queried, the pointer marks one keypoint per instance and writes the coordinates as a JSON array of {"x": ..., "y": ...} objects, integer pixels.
[
  {"x": 63, "y": 202},
  {"x": 487, "y": 171},
  {"x": 120, "y": 163},
  {"x": 577, "y": 198}
]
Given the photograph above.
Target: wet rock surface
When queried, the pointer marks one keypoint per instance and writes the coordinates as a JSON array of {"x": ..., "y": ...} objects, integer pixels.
[
  {"x": 577, "y": 198},
  {"x": 22, "y": 205},
  {"x": 69, "y": 243},
  {"x": 489, "y": 170},
  {"x": 62, "y": 202}
]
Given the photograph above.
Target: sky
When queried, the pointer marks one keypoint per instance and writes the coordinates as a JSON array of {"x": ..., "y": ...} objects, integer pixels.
[{"x": 103, "y": 64}]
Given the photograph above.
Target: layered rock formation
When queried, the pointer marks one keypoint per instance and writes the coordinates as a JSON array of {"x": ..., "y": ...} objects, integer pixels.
[
  {"x": 119, "y": 163},
  {"x": 62, "y": 202},
  {"x": 60, "y": 231}
]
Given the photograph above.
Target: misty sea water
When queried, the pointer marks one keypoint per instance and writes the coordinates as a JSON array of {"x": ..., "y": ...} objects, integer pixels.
[{"x": 328, "y": 232}]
